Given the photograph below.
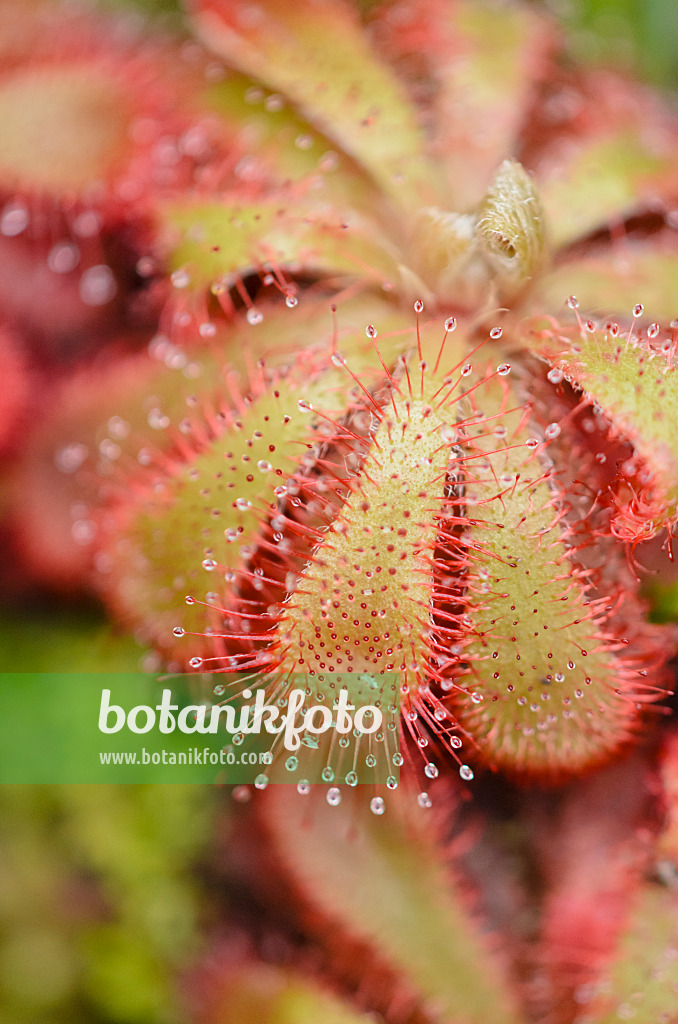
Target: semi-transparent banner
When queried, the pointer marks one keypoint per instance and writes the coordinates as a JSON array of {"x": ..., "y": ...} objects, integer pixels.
[{"x": 140, "y": 728}]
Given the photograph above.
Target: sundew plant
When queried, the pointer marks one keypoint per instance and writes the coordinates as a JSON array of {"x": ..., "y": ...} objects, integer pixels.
[{"x": 339, "y": 346}]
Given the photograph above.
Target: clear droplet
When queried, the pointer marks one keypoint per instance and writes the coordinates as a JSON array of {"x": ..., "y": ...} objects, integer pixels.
[
  {"x": 377, "y": 805},
  {"x": 466, "y": 772},
  {"x": 180, "y": 278},
  {"x": 553, "y": 430},
  {"x": 195, "y": 662},
  {"x": 638, "y": 310},
  {"x": 303, "y": 787},
  {"x": 209, "y": 564},
  {"x": 304, "y": 406},
  {"x": 424, "y": 800},
  {"x": 466, "y": 370},
  {"x": 555, "y": 376},
  {"x": 253, "y": 316},
  {"x": 243, "y": 504},
  {"x": 351, "y": 779},
  {"x": 496, "y": 332},
  {"x": 264, "y": 466},
  {"x": 292, "y": 763},
  {"x": 71, "y": 458},
  {"x": 333, "y": 796},
  {"x": 178, "y": 631},
  {"x": 573, "y": 302},
  {"x": 418, "y": 306},
  {"x": 261, "y": 781},
  {"x": 431, "y": 770},
  {"x": 14, "y": 220},
  {"x": 653, "y": 331},
  {"x": 450, "y": 325},
  {"x": 532, "y": 442},
  {"x": 97, "y": 285},
  {"x": 504, "y": 369},
  {"x": 63, "y": 258}
]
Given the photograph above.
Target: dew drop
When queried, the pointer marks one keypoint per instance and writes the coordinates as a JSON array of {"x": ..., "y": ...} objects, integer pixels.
[
  {"x": 351, "y": 779},
  {"x": 333, "y": 796},
  {"x": 253, "y": 316},
  {"x": 450, "y": 325},
  {"x": 63, "y": 258},
  {"x": 97, "y": 285},
  {"x": 71, "y": 458},
  {"x": 504, "y": 369},
  {"x": 638, "y": 310},
  {"x": 180, "y": 278},
  {"x": 195, "y": 662},
  {"x": 209, "y": 564},
  {"x": 377, "y": 805},
  {"x": 14, "y": 220},
  {"x": 424, "y": 800},
  {"x": 455, "y": 742},
  {"x": 496, "y": 332},
  {"x": 264, "y": 466},
  {"x": 553, "y": 430},
  {"x": 466, "y": 772},
  {"x": 418, "y": 306},
  {"x": 261, "y": 781},
  {"x": 178, "y": 631},
  {"x": 338, "y": 359},
  {"x": 243, "y": 504},
  {"x": 555, "y": 376},
  {"x": 304, "y": 406},
  {"x": 207, "y": 330},
  {"x": 303, "y": 787},
  {"x": 466, "y": 370},
  {"x": 371, "y": 331},
  {"x": 653, "y": 331},
  {"x": 532, "y": 442},
  {"x": 190, "y": 600},
  {"x": 573, "y": 302},
  {"x": 431, "y": 770},
  {"x": 327, "y": 774},
  {"x": 291, "y": 301},
  {"x": 292, "y": 763},
  {"x": 397, "y": 759}
]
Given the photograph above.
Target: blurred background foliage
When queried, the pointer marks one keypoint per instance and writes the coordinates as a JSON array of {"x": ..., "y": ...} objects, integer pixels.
[
  {"x": 103, "y": 910},
  {"x": 640, "y": 36}
]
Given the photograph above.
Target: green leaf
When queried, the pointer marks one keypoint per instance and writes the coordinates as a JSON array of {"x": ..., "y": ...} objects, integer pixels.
[
  {"x": 546, "y": 693},
  {"x": 273, "y": 995},
  {"x": 642, "y": 980},
  {"x": 224, "y": 241},
  {"x": 604, "y": 180},
  {"x": 381, "y": 882},
  {"x": 609, "y": 282},
  {"x": 634, "y": 382},
  {"x": 281, "y": 144},
  {"x": 318, "y": 56}
]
